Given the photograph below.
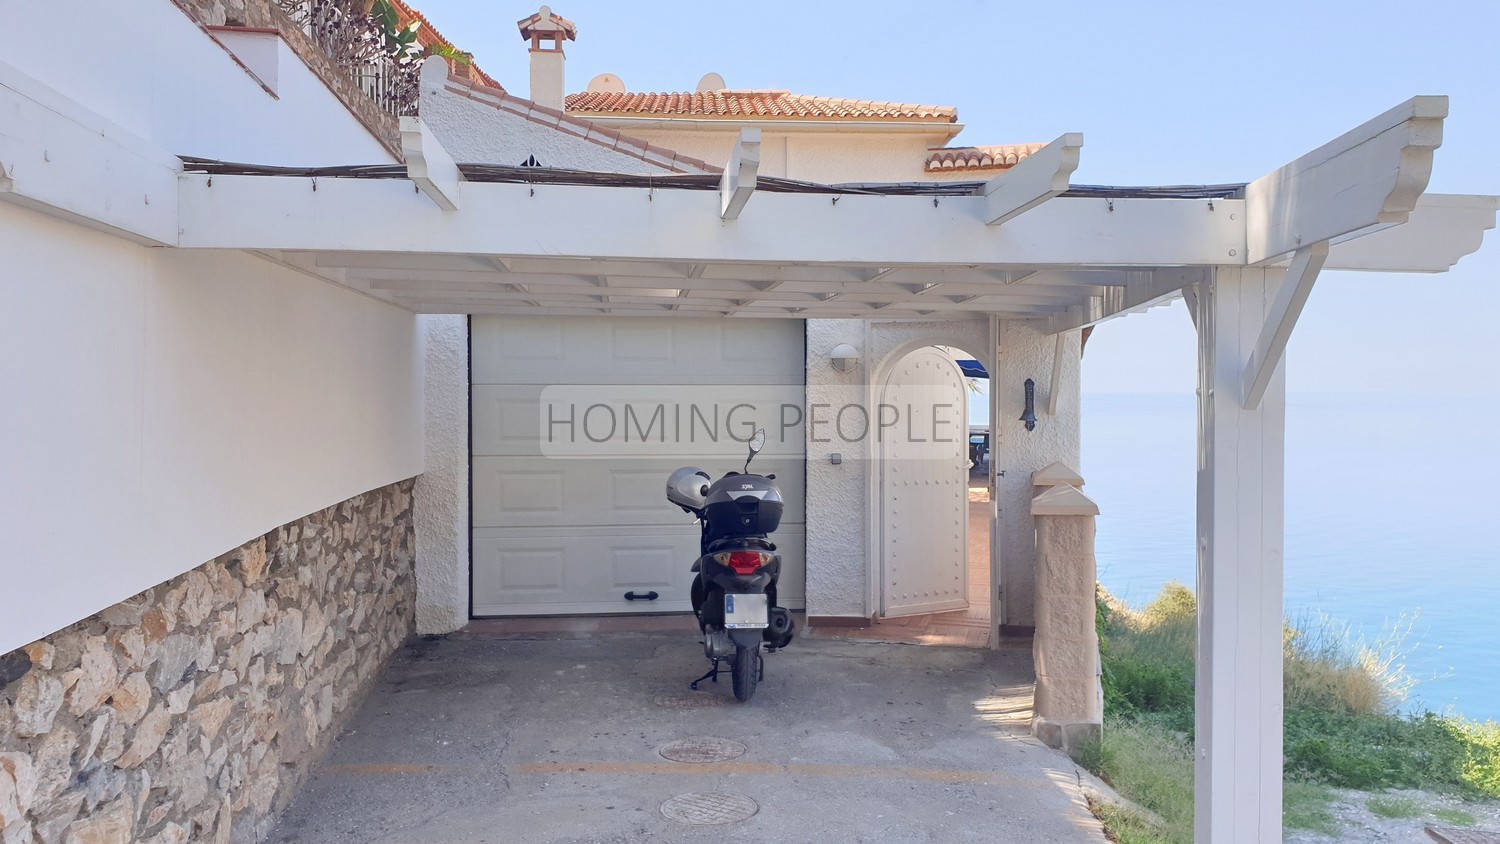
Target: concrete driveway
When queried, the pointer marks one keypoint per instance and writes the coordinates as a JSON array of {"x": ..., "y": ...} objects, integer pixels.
[{"x": 561, "y": 740}]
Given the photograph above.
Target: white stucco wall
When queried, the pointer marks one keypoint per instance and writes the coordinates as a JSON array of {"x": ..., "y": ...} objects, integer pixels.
[
  {"x": 163, "y": 407},
  {"x": 148, "y": 68},
  {"x": 442, "y": 492},
  {"x": 1027, "y": 353},
  {"x": 841, "y": 556},
  {"x": 478, "y": 133},
  {"x": 849, "y": 155},
  {"x": 838, "y": 515}
]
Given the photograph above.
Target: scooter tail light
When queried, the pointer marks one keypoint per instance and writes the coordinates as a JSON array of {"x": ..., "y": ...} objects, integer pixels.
[{"x": 744, "y": 562}]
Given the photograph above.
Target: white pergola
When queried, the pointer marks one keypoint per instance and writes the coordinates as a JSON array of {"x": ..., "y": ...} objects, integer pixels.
[{"x": 1023, "y": 247}]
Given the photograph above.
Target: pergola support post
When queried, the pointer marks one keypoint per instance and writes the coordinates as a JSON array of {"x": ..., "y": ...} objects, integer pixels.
[
  {"x": 998, "y": 617},
  {"x": 1240, "y": 541}
]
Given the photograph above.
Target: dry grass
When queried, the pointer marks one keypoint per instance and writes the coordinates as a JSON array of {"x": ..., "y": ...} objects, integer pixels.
[{"x": 1327, "y": 667}]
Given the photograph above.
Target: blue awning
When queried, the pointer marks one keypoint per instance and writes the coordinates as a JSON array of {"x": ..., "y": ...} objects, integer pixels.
[{"x": 972, "y": 369}]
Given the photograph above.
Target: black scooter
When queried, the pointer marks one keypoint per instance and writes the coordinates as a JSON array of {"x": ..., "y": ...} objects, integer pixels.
[{"x": 734, "y": 593}]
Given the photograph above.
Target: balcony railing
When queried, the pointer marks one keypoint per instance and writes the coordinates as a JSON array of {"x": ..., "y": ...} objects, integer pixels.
[{"x": 357, "y": 44}]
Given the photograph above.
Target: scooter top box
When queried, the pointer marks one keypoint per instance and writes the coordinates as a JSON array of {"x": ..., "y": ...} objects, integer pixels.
[{"x": 742, "y": 505}]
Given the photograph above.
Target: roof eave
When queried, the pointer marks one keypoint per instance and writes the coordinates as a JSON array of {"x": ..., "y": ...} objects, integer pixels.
[{"x": 711, "y": 123}]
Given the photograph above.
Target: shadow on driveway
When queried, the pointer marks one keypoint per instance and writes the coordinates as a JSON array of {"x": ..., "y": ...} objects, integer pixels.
[{"x": 559, "y": 740}]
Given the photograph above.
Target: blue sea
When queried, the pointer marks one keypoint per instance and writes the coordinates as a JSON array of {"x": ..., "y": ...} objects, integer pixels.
[{"x": 1392, "y": 505}]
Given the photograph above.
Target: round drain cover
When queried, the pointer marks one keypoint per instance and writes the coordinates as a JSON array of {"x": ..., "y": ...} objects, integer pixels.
[
  {"x": 703, "y": 750},
  {"x": 705, "y": 808},
  {"x": 689, "y": 700}
]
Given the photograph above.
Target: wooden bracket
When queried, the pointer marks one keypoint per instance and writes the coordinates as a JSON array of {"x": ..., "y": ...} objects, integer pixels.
[
  {"x": 1059, "y": 346},
  {"x": 1285, "y": 309}
]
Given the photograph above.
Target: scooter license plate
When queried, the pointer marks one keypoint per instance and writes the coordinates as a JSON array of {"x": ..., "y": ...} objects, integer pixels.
[{"x": 745, "y": 611}]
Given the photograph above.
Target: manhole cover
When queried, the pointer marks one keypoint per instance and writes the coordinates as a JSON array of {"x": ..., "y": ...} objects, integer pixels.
[
  {"x": 704, "y": 808},
  {"x": 689, "y": 700},
  {"x": 703, "y": 750}
]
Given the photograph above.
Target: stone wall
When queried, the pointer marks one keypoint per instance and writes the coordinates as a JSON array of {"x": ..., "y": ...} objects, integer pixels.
[{"x": 192, "y": 711}]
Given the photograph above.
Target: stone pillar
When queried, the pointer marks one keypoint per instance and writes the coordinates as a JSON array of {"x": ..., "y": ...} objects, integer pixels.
[{"x": 1069, "y": 706}]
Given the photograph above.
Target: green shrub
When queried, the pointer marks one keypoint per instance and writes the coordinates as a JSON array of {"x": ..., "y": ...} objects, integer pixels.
[
  {"x": 1151, "y": 766},
  {"x": 1175, "y": 604},
  {"x": 1147, "y": 657},
  {"x": 1145, "y": 685},
  {"x": 1113, "y": 701},
  {"x": 1480, "y": 768},
  {"x": 1374, "y": 752}
]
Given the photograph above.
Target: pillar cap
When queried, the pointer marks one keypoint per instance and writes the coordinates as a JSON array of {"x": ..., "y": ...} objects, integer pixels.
[
  {"x": 1063, "y": 500},
  {"x": 1056, "y": 473}
]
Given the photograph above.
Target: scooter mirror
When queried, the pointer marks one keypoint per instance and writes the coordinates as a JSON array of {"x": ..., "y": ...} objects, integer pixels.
[{"x": 757, "y": 442}]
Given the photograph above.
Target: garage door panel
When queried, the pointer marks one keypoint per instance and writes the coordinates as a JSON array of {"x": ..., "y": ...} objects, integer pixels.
[
  {"x": 500, "y": 349},
  {"x": 506, "y": 419},
  {"x": 536, "y": 495},
  {"x": 539, "y": 491},
  {"x": 594, "y": 570},
  {"x": 532, "y": 569},
  {"x": 540, "y": 572},
  {"x": 566, "y": 526},
  {"x": 651, "y": 567},
  {"x": 644, "y": 350}
]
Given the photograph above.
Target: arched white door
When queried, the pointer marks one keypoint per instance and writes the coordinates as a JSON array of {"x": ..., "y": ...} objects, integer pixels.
[{"x": 924, "y": 490}]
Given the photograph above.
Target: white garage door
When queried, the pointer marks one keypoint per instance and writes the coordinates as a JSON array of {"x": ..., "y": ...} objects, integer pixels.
[{"x": 558, "y": 533}]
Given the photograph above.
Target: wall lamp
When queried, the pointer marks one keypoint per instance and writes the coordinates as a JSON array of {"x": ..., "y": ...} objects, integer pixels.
[
  {"x": 1029, "y": 416},
  {"x": 844, "y": 357}
]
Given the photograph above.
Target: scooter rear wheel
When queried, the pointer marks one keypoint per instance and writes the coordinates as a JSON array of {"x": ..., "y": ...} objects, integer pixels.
[{"x": 746, "y": 671}]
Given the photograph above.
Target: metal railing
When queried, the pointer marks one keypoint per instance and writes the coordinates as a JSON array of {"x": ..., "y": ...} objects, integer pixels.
[{"x": 356, "y": 43}]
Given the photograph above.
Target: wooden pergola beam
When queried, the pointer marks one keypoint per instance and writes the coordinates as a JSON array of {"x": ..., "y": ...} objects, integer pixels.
[
  {"x": 60, "y": 159},
  {"x": 1367, "y": 178},
  {"x": 1034, "y": 180},
  {"x": 1440, "y": 230},
  {"x": 738, "y": 181},
  {"x": 428, "y": 165}
]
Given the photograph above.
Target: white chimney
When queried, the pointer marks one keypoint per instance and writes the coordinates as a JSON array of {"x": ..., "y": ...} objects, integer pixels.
[{"x": 547, "y": 32}]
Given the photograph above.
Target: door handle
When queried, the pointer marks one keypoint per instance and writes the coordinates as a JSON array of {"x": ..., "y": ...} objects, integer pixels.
[{"x": 649, "y": 596}]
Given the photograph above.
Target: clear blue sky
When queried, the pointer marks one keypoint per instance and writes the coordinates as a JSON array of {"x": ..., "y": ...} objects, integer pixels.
[{"x": 1165, "y": 93}]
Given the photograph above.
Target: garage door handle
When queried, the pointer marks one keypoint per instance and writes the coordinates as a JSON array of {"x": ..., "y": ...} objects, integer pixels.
[{"x": 649, "y": 596}]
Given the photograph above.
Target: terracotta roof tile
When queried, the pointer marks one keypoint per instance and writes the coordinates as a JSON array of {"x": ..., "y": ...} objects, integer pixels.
[
  {"x": 775, "y": 105},
  {"x": 980, "y": 158}
]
